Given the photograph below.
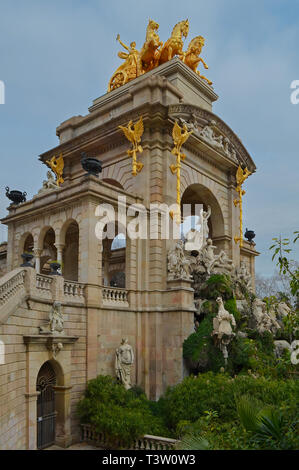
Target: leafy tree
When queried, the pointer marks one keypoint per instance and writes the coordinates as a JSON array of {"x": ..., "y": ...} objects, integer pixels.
[{"x": 281, "y": 251}]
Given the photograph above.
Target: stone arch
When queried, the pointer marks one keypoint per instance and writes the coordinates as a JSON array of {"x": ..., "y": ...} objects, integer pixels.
[
  {"x": 57, "y": 402},
  {"x": 114, "y": 259},
  {"x": 199, "y": 194},
  {"x": 113, "y": 182},
  {"x": 26, "y": 243},
  {"x": 120, "y": 172},
  {"x": 46, "y": 245},
  {"x": 69, "y": 240}
]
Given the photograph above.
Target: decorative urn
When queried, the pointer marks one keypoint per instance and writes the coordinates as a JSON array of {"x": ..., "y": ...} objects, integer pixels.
[
  {"x": 27, "y": 257},
  {"x": 54, "y": 268},
  {"x": 249, "y": 235},
  {"x": 91, "y": 165},
  {"x": 17, "y": 197}
]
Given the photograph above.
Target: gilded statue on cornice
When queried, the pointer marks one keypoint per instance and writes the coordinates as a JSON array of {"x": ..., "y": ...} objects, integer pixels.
[
  {"x": 130, "y": 69},
  {"x": 155, "y": 53},
  {"x": 192, "y": 59}
]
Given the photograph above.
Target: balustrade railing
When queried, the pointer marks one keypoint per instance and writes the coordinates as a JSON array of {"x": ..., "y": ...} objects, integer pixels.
[
  {"x": 114, "y": 295},
  {"x": 43, "y": 282},
  {"x": 73, "y": 290},
  {"x": 147, "y": 442},
  {"x": 11, "y": 286}
]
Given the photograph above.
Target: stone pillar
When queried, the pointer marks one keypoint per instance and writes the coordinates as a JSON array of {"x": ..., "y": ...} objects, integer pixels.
[
  {"x": 37, "y": 255},
  {"x": 59, "y": 247},
  {"x": 31, "y": 409},
  {"x": 63, "y": 420},
  {"x": 90, "y": 273}
]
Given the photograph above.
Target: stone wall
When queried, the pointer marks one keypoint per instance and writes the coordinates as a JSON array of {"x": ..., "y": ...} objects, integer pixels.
[{"x": 15, "y": 372}]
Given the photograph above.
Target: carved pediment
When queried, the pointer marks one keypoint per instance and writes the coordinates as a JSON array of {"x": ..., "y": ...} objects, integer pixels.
[{"x": 210, "y": 129}]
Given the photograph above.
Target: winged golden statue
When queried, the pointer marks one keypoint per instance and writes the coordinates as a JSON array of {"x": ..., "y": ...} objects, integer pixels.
[
  {"x": 242, "y": 175},
  {"x": 134, "y": 133},
  {"x": 57, "y": 166},
  {"x": 180, "y": 135}
]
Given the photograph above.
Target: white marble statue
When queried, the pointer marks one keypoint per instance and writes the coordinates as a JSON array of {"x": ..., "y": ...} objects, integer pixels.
[
  {"x": 264, "y": 321},
  {"x": 179, "y": 266},
  {"x": 205, "y": 215},
  {"x": 191, "y": 125},
  {"x": 194, "y": 240},
  {"x": 218, "y": 141},
  {"x": 49, "y": 184},
  {"x": 211, "y": 262},
  {"x": 124, "y": 360},
  {"x": 55, "y": 324},
  {"x": 243, "y": 275},
  {"x": 223, "y": 325}
]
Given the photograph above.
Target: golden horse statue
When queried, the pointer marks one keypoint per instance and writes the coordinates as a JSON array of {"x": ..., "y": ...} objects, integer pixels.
[
  {"x": 192, "y": 59},
  {"x": 174, "y": 45},
  {"x": 149, "y": 54}
]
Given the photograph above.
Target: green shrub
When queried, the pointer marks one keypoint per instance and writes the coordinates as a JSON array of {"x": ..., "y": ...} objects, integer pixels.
[
  {"x": 193, "y": 346},
  {"x": 242, "y": 352},
  {"x": 122, "y": 415},
  {"x": 231, "y": 306},
  {"x": 219, "y": 285},
  {"x": 189, "y": 400}
]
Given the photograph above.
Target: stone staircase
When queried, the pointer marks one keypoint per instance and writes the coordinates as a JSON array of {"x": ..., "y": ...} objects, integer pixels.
[{"x": 13, "y": 291}]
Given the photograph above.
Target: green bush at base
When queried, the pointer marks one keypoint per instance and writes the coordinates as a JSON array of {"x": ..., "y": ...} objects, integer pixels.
[{"x": 121, "y": 415}]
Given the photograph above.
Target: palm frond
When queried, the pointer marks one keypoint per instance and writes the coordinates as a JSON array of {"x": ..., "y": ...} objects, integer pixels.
[{"x": 193, "y": 442}]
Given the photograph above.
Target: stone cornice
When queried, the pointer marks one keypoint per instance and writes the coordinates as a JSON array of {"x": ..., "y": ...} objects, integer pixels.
[{"x": 85, "y": 187}]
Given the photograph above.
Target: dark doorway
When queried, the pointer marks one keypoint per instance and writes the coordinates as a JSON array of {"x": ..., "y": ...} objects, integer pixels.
[{"x": 46, "y": 414}]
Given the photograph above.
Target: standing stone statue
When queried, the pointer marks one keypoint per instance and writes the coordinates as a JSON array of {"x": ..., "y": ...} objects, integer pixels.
[
  {"x": 124, "y": 360},
  {"x": 205, "y": 215},
  {"x": 223, "y": 325},
  {"x": 55, "y": 323}
]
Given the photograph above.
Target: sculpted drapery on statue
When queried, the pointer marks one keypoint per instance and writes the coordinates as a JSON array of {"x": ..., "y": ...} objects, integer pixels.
[
  {"x": 124, "y": 360},
  {"x": 155, "y": 53}
]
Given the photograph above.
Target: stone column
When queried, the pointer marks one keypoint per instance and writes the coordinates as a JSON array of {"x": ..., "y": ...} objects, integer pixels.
[
  {"x": 37, "y": 255},
  {"x": 90, "y": 273},
  {"x": 59, "y": 247},
  {"x": 63, "y": 420},
  {"x": 31, "y": 407}
]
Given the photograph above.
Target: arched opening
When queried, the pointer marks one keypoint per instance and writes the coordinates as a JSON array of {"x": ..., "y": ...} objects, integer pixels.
[
  {"x": 26, "y": 245},
  {"x": 46, "y": 413},
  {"x": 114, "y": 259},
  {"x": 70, "y": 266},
  {"x": 199, "y": 194},
  {"x": 49, "y": 251},
  {"x": 113, "y": 182}
]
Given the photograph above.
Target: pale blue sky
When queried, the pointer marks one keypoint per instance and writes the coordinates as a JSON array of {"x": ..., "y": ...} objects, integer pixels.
[{"x": 56, "y": 57}]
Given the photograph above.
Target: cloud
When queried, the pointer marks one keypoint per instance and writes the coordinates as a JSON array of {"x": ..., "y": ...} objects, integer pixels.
[{"x": 56, "y": 57}]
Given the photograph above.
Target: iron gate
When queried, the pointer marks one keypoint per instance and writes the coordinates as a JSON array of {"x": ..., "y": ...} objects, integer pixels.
[{"x": 46, "y": 414}]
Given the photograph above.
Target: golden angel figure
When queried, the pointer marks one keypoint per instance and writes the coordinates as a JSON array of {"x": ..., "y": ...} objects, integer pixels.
[
  {"x": 180, "y": 135},
  {"x": 134, "y": 133},
  {"x": 57, "y": 166}
]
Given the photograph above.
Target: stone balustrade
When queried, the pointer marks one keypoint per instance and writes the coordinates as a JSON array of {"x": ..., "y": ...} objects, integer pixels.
[
  {"x": 9, "y": 287},
  {"x": 73, "y": 290},
  {"x": 114, "y": 295},
  {"x": 147, "y": 442},
  {"x": 44, "y": 282}
]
